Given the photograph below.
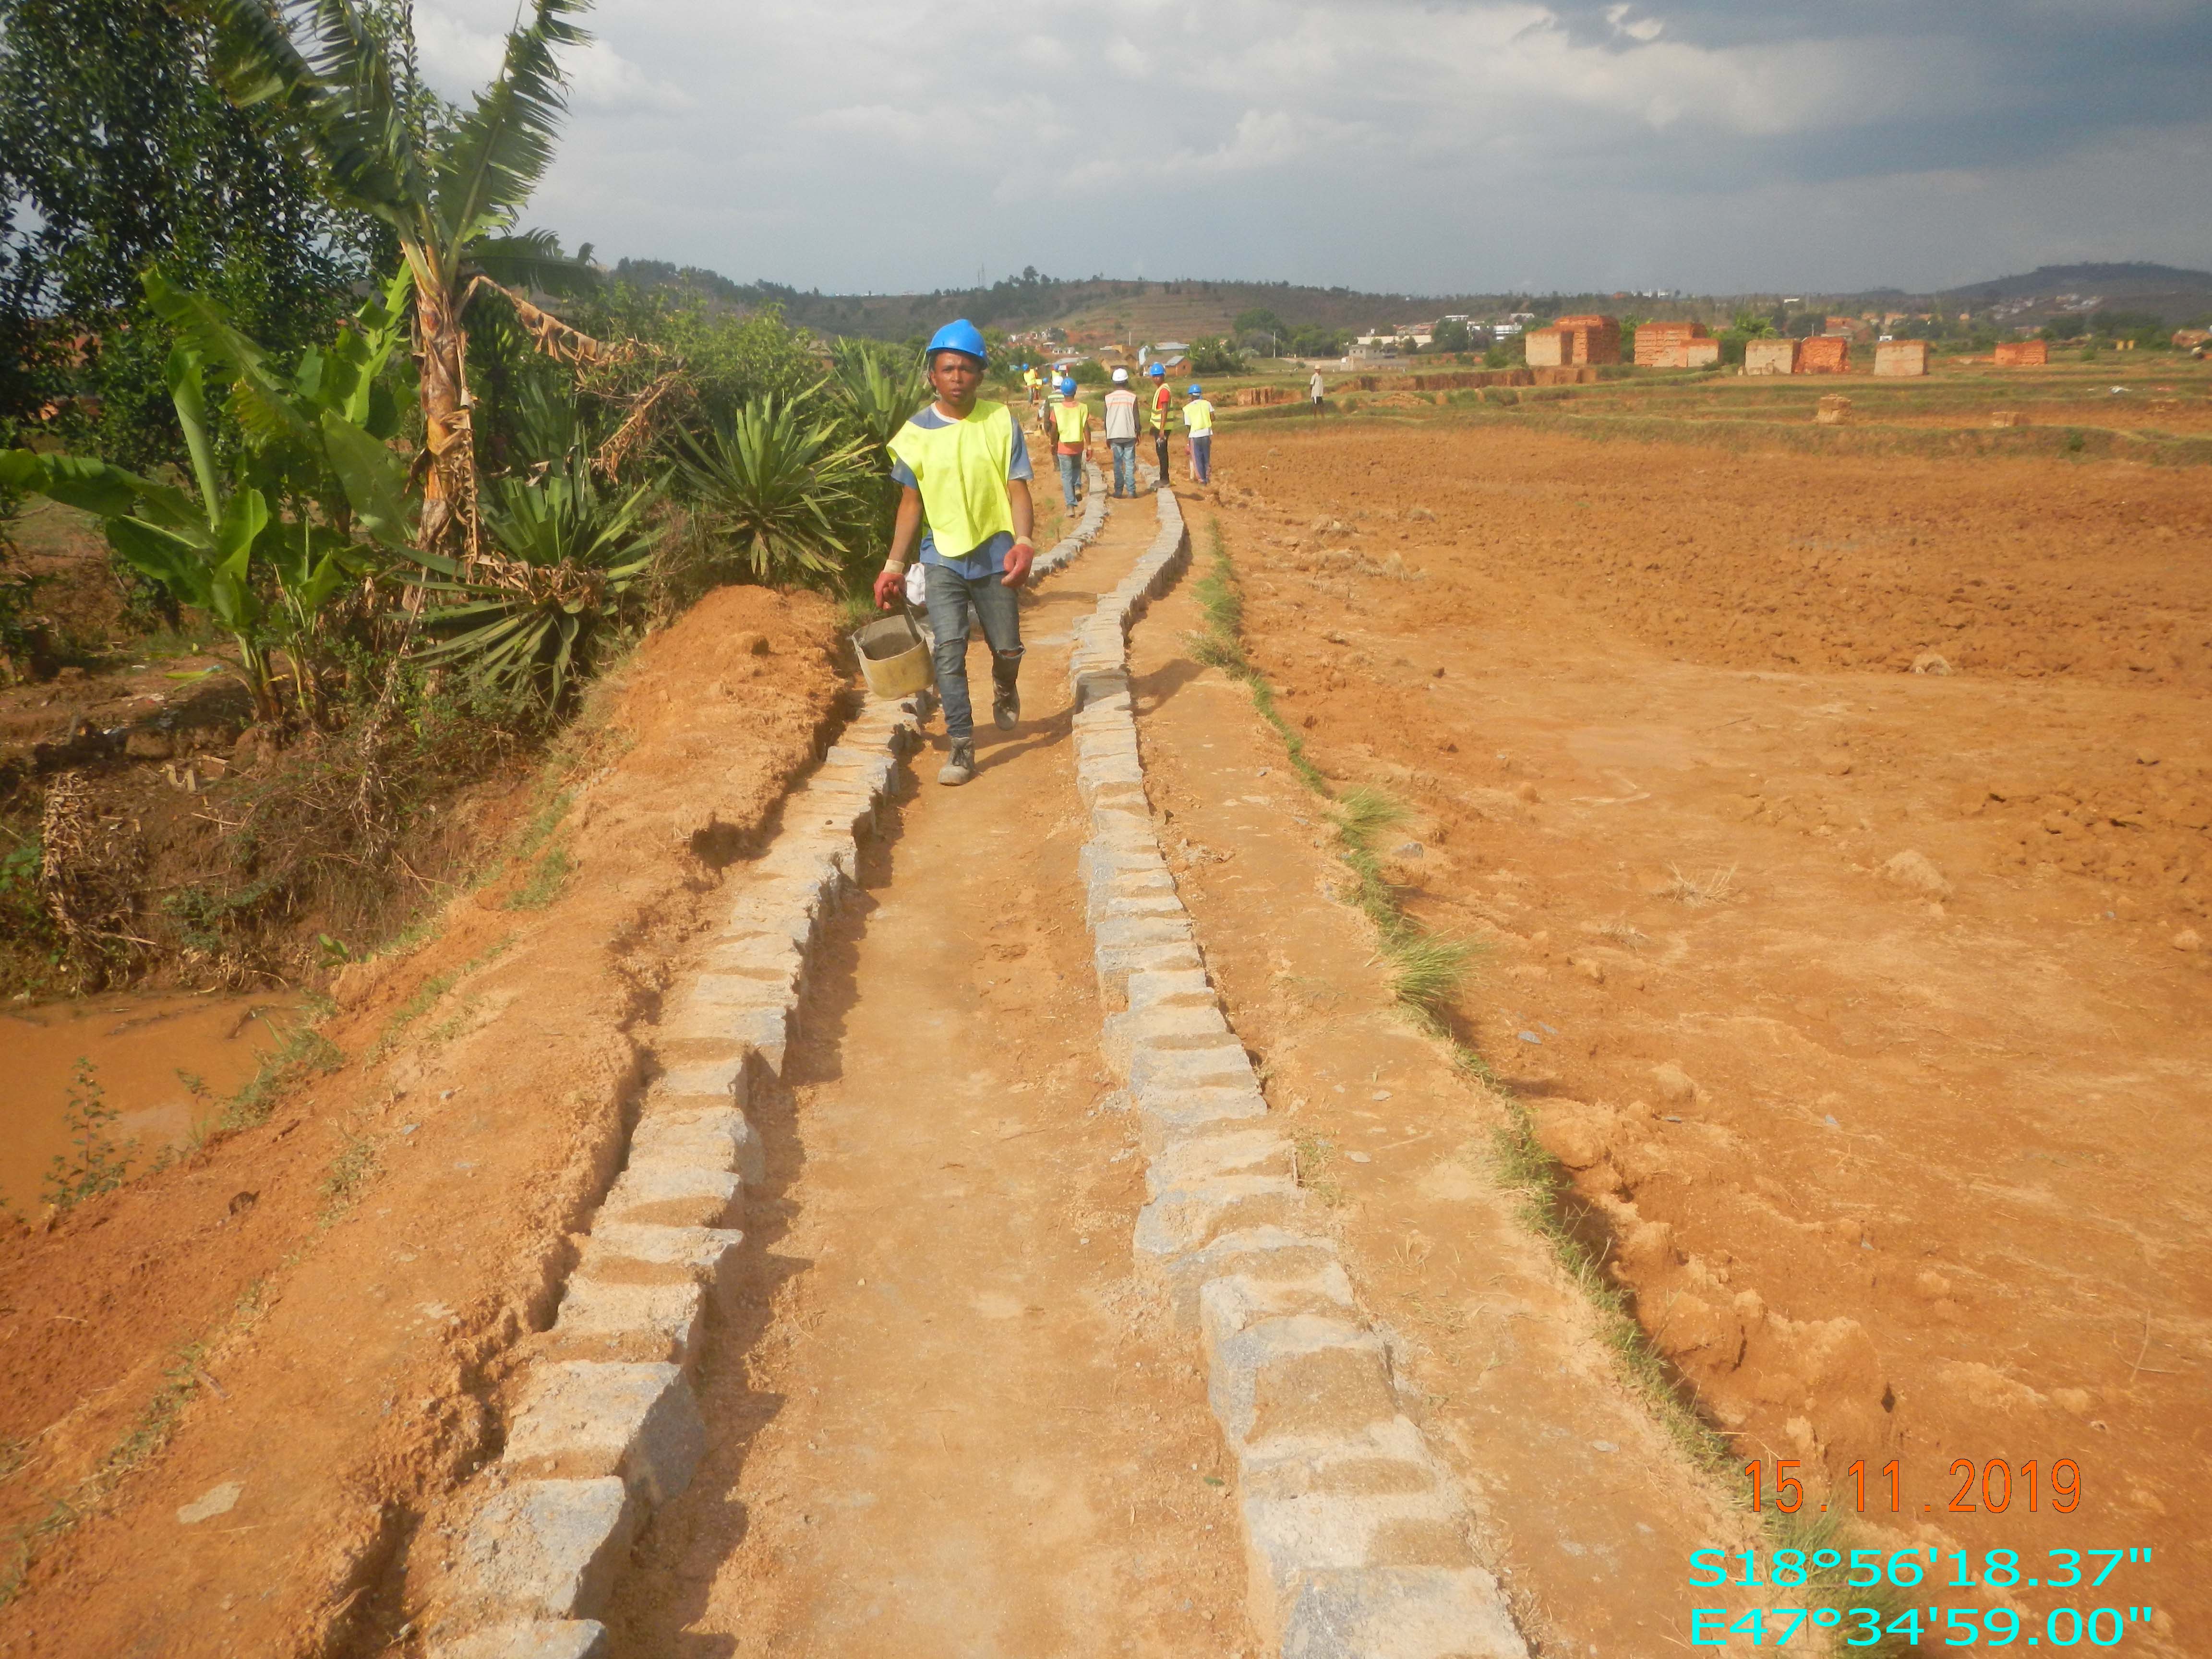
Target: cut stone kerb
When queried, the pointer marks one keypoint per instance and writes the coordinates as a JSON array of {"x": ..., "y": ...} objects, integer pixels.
[
  {"x": 548, "y": 1549},
  {"x": 584, "y": 1420}
]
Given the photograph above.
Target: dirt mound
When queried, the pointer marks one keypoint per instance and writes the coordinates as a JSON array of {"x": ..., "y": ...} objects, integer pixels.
[{"x": 317, "y": 1308}]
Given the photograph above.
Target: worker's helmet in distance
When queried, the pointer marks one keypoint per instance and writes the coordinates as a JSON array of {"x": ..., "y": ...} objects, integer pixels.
[
  {"x": 1194, "y": 389},
  {"x": 961, "y": 335},
  {"x": 1121, "y": 377},
  {"x": 1067, "y": 387},
  {"x": 1158, "y": 371}
]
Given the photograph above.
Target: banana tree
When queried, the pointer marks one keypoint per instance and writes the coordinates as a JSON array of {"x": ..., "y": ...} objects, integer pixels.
[
  {"x": 451, "y": 197},
  {"x": 202, "y": 552},
  {"x": 316, "y": 473}
]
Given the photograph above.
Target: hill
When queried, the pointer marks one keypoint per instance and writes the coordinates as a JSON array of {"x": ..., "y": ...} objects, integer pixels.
[
  {"x": 2128, "y": 280},
  {"x": 1092, "y": 310}
]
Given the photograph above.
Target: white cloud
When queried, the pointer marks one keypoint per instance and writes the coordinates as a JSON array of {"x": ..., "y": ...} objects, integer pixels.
[{"x": 1395, "y": 144}]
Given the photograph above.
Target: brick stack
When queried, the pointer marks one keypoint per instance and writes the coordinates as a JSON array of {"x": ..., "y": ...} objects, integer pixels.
[
  {"x": 1901, "y": 357},
  {"x": 1547, "y": 348},
  {"x": 1681, "y": 354},
  {"x": 1770, "y": 357},
  {"x": 2023, "y": 354},
  {"x": 1823, "y": 354},
  {"x": 1590, "y": 339},
  {"x": 1656, "y": 343}
]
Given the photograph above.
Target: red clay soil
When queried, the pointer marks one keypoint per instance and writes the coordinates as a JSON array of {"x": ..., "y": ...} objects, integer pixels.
[
  {"x": 319, "y": 1312},
  {"x": 1870, "y": 1009}
]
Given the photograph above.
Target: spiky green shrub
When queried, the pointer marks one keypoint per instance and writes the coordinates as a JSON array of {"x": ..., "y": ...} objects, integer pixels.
[
  {"x": 778, "y": 494},
  {"x": 526, "y": 619}
]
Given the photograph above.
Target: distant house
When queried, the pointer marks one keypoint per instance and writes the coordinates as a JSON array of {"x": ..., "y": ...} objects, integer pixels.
[{"x": 1170, "y": 354}]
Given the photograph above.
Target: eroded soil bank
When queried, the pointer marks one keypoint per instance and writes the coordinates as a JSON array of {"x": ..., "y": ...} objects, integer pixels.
[
  {"x": 310, "y": 1319},
  {"x": 1870, "y": 1008}
]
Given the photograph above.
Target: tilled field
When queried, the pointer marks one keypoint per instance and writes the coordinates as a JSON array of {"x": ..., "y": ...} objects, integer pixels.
[{"x": 1868, "y": 1007}]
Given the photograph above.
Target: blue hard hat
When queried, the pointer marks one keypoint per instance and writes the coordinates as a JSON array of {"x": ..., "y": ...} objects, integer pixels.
[
  {"x": 963, "y": 336},
  {"x": 1067, "y": 387},
  {"x": 1158, "y": 371},
  {"x": 1193, "y": 388}
]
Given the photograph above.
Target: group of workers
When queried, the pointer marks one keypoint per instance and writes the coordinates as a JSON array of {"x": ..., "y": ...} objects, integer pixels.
[
  {"x": 1064, "y": 420},
  {"x": 962, "y": 467}
]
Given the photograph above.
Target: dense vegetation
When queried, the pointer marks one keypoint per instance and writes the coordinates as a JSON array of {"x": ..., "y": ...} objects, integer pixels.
[{"x": 419, "y": 521}]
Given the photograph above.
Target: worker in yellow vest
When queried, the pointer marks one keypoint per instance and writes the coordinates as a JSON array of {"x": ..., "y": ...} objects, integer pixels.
[
  {"x": 1198, "y": 416},
  {"x": 1163, "y": 414},
  {"x": 1030, "y": 381},
  {"x": 962, "y": 466},
  {"x": 1071, "y": 422}
]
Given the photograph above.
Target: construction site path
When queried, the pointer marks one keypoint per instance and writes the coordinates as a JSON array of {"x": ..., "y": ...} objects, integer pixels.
[{"x": 945, "y": 1417}]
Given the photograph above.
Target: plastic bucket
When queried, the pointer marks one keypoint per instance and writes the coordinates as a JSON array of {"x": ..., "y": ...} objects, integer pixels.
[{"x": 895, "y": 658}]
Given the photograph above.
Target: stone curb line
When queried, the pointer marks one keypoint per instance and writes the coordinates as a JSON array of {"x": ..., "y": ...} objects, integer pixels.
[
  {"x": 1063, "y": 551},
  {"x": 608, "y": 1428},
  {"x": 1357, "y": 1538}
]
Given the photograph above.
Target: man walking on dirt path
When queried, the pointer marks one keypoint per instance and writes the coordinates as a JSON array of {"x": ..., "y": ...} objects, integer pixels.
[
  {"x": 1071, "y": 424},
  {"x": 1121, "y": 433},
  {"x": 1316, "y": 389},
  {"x": 962, "y": 464},
  {"x": 1029, "y": 382},
  {"x": 1163, "y": 407},
  {"x": 1198, "y": 416}
]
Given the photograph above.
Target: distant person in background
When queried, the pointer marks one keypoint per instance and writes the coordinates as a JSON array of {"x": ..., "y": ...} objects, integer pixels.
[
  {"x": 1316, "y": 389},
  {"x": 1197, "y": 419},
  {"x": 1121, "y": 433},
  {"x": 1071, "y": 424},
  {"x": 1029, "y": 382},
  {"x": 1163, "y": 410},
  {"x": 963, "y": 473}
]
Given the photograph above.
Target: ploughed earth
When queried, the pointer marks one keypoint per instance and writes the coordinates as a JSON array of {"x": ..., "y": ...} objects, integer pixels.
[{"x": 1871, "y": 1009}]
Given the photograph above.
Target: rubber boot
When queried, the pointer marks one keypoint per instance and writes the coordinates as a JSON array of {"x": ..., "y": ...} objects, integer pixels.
[
  {"x": 959, "y": 767},
  {"x": 1006, "y": 695}
]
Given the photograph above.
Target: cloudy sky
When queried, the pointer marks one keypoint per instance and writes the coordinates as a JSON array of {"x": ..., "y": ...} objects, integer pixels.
[{"x": 1455, "y": 145}]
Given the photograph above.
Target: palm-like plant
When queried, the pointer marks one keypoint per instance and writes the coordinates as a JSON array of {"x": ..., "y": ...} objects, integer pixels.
[
  {"x": 451, "y": 197},
  {"x": 777, "y": 490},
  {"x": 524, "y": 619},
  {"x": 880, "y": 387}
]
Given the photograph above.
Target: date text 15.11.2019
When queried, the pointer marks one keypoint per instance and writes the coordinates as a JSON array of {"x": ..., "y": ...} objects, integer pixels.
[{"x": 1994, "y": 1487}]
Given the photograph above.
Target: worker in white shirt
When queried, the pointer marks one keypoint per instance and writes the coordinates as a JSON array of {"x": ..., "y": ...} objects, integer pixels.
[{"x": 1121, "y": 433}]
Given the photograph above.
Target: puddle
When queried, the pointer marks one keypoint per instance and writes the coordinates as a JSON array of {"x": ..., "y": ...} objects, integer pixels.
[{"x": 138, "y": 1046}]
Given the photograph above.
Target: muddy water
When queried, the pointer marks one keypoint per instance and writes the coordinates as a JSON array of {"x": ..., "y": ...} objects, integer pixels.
[{"x": 148, "y": 1054}]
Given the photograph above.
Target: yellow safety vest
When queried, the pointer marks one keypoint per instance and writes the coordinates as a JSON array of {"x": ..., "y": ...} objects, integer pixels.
[
  {"x": 1069, "y": 419},
  {"x": 960, "y": 468},
  {"x": 1198, "y": 416}
]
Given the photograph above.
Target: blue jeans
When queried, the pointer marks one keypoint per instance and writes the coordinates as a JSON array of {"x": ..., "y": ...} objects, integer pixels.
[
  {"x": 1125, "y": 466},
  {"x": 1071, "y": 479},
  {"x": 1201, "y": 456},
  {"x": 949, "y": 595}
]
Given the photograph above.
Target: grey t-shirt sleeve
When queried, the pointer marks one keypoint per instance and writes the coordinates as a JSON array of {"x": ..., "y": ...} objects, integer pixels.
[{"x": 1017, "y": 461}]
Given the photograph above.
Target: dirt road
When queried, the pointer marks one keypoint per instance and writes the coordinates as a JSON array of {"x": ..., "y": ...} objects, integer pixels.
[
  {"x": 1870, "y": 1008},
  {"x": 950, "y": 1421}
]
